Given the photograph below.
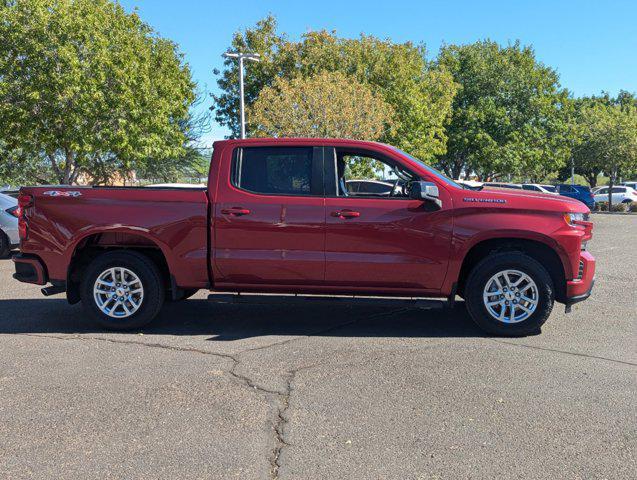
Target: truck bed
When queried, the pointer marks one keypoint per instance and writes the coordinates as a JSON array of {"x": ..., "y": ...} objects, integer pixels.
[{"x": 173, "y": 219}]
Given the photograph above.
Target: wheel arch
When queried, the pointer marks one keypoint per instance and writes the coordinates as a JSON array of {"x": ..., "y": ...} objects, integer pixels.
[
  {"x": 536, "y": 249},
  {"x": 97, "y": 242}
]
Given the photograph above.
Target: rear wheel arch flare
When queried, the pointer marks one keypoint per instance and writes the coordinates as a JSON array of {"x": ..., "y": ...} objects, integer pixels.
[{"x": 92, "y": 245}]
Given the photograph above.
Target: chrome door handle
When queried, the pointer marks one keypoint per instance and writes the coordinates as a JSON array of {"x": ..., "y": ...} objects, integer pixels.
[
  {"x": 346, "y": 214},
  {"x": 235, "y": 211}
]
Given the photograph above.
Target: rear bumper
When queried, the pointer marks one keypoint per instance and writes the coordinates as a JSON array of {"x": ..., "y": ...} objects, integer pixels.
[
  {"x": 579, "y": 289},
  {"x": 29, "y": 269}
]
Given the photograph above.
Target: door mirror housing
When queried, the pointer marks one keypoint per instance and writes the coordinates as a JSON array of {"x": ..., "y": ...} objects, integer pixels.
[{"x": 427, "y": 191}]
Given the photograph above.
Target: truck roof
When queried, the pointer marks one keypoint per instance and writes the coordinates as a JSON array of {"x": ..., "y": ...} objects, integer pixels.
[{"x": 299, "y": 140}]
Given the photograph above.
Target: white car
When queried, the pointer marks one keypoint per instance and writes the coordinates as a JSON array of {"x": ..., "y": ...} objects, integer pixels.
[
  {"x": 632, "y": 185},
  {"x": 619, "y": 195},
  {"x": 537, "y": 187},
  {"x": 9, "y": 237}
]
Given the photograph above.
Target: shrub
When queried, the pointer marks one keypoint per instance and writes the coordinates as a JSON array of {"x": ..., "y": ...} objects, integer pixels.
[
  {"x": 619, "y": 207},
  {"x": 632, "y": 207},
  {"x": 602, "y": 206}
]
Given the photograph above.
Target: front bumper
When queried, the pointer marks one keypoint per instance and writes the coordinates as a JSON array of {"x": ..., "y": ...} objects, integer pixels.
[
  {"x": 579, "y": 289},
  {"x": 29, "y": 269}
]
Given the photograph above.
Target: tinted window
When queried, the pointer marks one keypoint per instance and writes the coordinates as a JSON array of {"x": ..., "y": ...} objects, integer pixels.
[
  {"x": 353, "y": 186},
  {"x": 274, "y": 170},
  {"x": 371, "y": 187},
  {"x": 602, "y": 191},
  {"x": 549, "y": 188},
  {"x": 531, "y": 187},
  {"x": 619, "y": 190},
  {"x": 566, "y": 189}
]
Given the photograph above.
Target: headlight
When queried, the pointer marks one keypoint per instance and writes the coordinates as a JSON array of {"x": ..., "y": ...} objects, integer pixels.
[{"x": 571, "y": 218}]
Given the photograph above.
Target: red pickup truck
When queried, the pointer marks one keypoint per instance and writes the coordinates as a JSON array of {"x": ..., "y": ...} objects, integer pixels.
[{"x": 308, "y": 216}]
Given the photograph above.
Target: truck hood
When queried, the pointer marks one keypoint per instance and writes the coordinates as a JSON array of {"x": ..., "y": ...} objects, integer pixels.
[{"x": 526, "y": 199}]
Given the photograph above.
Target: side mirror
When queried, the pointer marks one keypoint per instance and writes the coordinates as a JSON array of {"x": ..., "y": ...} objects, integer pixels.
[{"x": 427, "y": 191}]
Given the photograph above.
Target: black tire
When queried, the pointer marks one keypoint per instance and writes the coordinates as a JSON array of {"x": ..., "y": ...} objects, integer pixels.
[
  {"x": 149, "y": 276},
  {"x": 494, "y": 263},
  {"x": 5, "y": 246}
]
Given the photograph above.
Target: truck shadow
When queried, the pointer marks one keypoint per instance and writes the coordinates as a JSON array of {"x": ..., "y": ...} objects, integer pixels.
[{"x": 228, "y": 321}]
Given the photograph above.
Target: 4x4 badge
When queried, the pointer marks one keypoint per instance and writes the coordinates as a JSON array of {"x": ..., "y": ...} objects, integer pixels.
[{"x": 57, "y": 193}]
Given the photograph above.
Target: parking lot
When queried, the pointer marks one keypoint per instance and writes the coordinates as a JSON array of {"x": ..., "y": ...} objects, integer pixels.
[{"x": 323, "y": 389}]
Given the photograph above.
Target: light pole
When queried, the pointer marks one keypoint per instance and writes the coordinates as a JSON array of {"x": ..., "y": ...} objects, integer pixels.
[{"x": 253, "y": 57}]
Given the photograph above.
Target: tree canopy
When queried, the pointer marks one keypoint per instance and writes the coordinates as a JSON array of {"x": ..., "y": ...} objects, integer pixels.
[
  {"x": 419, "y": 94},
  {"x": 608, "y": 138},
  {"x": 509, "y": 115},
  {"x": 327, "y": 104},
  {"x": 86, "y": 88}
]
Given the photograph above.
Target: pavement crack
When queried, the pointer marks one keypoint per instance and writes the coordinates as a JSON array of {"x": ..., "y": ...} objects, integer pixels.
[
  {"x": 133, "y": 342},
  {"x": 282, "y": 398},
  {"x": 282, "y": 421},
  {"x": 279, "y": 426},
  {"x": 566, "y": 352}
]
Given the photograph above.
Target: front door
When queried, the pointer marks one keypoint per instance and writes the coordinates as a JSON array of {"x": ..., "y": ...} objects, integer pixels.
[
  {"x": 269, "y": 225},
  {"x": 377, "y": 238}
]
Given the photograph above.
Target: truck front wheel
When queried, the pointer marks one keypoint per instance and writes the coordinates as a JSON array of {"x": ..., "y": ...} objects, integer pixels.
[
  {"x": 122, "y": 290},
  {"x": 509, "y": 294}
]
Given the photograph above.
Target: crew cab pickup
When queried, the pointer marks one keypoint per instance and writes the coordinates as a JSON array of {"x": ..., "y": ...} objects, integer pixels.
[{"x": 278, "y": 216}]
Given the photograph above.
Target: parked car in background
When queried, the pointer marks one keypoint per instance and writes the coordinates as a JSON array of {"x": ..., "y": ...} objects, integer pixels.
[
  {"x": 536, "y": 187},
  {"x": 9, "y": 237},
  {"x": 578, "y": 192},
  {"x": 632, "y": 185},
  {"x": 514, "y": 186},
  {"x": 618, "y": 194}
]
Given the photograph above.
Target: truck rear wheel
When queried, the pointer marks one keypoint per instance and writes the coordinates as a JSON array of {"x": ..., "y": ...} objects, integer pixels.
[
  {"x": 509, "y": 294},
  {"x": 122, "y": 290}
]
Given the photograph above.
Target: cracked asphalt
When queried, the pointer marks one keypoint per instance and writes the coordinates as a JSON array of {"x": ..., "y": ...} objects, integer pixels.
[{"x": 270, "y": 388}]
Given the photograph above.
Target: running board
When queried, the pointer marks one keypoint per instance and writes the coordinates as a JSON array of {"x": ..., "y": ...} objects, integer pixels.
[{"x": 282, "y": 299}]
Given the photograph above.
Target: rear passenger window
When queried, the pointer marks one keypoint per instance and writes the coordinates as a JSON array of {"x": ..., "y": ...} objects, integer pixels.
[{"x": 274, "y": 170}]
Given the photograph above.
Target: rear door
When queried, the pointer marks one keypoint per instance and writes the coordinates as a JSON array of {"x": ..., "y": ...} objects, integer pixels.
[
  {"x": 384, "y": 242},
  {"x": 269, "y": 218},
  {"x": 619, "y": 194}
]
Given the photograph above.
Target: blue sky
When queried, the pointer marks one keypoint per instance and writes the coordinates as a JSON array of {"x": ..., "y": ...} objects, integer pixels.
[{"x": 592, "y": 44}]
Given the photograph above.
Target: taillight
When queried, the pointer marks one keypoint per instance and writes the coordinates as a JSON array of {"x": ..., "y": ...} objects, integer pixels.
[
  {"x": 15, "y": 211},
  {"x": 25, "y": 200}
]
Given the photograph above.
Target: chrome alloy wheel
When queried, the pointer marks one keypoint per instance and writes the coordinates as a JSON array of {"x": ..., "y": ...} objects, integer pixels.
[
  {"x": 118, "y": 292},
  {"x": 510, "y": 296}
]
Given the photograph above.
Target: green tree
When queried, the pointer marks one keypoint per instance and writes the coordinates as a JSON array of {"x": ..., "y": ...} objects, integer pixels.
[
  {"x": 609, "y": 139},
  {"x": 419, "y": 94},
  {"x": 509, "y": 115},
  {"x": 586, "y": 155},
  {"x": 324, "y": 105},
  {"x": 88, "y": 89}
]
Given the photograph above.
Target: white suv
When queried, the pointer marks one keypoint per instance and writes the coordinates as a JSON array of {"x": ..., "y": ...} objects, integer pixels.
[
  {"x": 619, "y": 194},
  {"x": 8, "y": 224}
]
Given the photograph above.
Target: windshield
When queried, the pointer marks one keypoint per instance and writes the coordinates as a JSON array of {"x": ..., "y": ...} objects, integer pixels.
[{"x": 433, "y": 171}]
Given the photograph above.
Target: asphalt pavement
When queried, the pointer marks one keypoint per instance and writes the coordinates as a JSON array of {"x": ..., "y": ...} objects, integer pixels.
[{"x": 270, "y": 388}]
